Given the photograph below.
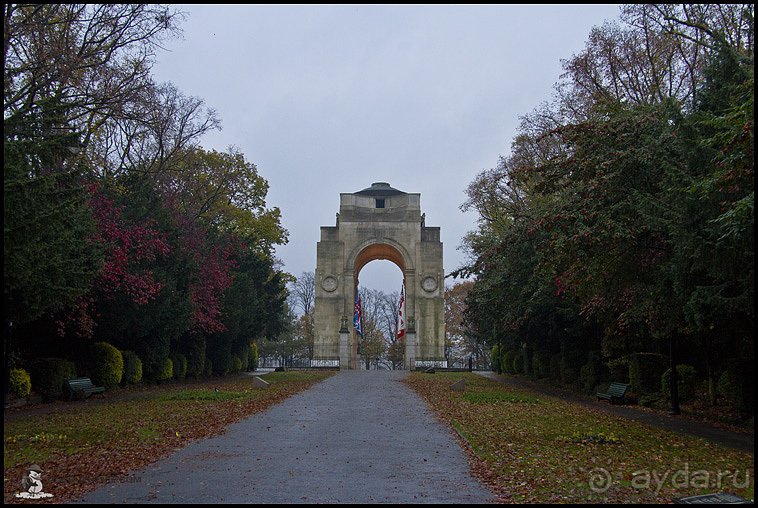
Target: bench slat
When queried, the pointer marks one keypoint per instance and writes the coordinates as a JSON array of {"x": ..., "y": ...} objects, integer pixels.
[
  {"x": 83, "y": 386},
  {"x": 616, "y": 391}
]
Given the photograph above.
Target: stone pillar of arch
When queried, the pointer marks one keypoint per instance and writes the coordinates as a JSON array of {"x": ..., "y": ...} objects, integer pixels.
[{"x": 379, "y": 222}]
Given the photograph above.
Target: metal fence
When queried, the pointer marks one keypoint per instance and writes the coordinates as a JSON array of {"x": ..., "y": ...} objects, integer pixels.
[
  {"x": 299, "y": 363},
  {"x": 453, "y": 364}
]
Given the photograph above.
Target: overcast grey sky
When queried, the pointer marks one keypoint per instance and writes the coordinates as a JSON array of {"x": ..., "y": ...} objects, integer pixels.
[{"x": 325, "y": 99}]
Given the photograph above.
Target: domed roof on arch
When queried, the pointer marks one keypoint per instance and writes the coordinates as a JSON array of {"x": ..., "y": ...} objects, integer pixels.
[{"x": 380, "y": 189}]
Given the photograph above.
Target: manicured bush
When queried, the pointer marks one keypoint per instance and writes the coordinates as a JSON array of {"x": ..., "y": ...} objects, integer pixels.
[
  {"x": 518, "y": 363},
  {"x": 645, "y": 371},
  {"x": 179, "y": 362},
  {"x": 570, "y": 364},
  {"x": 540, "y": 364},
  {"x": 208, "y": 368},
  {"x": 526, "y": 360},
  {"x": 555, "y": 367},
  {"x": 619, "y": 370},
  {"x": 236, "y": 364},
  {"x": 194, "y": 351},
  {"x": 253, "y": 358},
  {"x": 685, "y": 382},
  {"x": 568, "y": 371},
  {"x": 243, "y": 353},
  {"x": 48, "y": 376},
  {"x": 592, "y": 373},
  {"x": 132, "y": 368},
  {"x": 495, "y": 358},
  {"x": 20, "y": 383},
  {"x": 167, "y": 371},
  {"x": 222, "y": 361},
  {"x": 107, "y": 365},
  {"x": 508, "y": 359},
  {"x": 737, "y": 385},
  {"x": 153, "y": 351}
]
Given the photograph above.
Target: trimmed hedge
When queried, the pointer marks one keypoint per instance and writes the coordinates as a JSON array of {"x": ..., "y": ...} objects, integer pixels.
[
  {"x": 48, "y": 376},
  {"x": 179, "y": 362},
  {"x": 737, "y": 384},
  {"x": 236, "y": 364},
  {"x": 495, "y": 358},
  {"x": 107, "y": 365},
  {"x": 132, "y": 368},
  {"x": 252, "y": 360},
  {"x": 645, "y": 371},
  {"x": 194, "y": 351},
  {"x": 20, "y": 383},
  {"x": 167, "y": 372},
  {"x": 508, "y": 360},
  {"x": 685, "y": 382}
]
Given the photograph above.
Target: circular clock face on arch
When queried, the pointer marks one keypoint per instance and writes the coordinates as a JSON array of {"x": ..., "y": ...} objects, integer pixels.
[
  {"x": 429, "y": 284},
  {"x": 329, "y": 283}
]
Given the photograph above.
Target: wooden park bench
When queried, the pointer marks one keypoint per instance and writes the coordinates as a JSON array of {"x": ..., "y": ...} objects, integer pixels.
[
  {"x": 615, "y": 393},
  {"x": 82, "y": 387}
]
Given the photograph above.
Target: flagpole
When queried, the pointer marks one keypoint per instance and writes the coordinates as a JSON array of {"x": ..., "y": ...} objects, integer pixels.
[{"x": 401, "y": 318}]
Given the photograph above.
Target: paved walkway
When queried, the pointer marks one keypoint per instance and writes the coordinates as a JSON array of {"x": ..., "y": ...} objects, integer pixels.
[
  {"x": 357, "y": 437},
  {"x": 742, "y": 441}
]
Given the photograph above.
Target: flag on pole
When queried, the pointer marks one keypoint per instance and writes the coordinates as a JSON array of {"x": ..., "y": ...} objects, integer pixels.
[
  {"x": 357, "y": 314},
  {"x": 401, "y": 315}
]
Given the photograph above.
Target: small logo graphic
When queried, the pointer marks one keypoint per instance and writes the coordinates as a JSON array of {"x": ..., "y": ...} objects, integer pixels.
[{"x": 31, "y": 484}]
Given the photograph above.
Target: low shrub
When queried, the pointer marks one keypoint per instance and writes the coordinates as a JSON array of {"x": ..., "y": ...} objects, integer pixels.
[
  {"x": 236, "y": 364},
  {"x": 179, "y": 362},
  {"x": 540, "y": 364},
  {"x": 167, "y": 372},
  {"x": 685, "y": 382},
  {"x": 132, "y": 368},
  {"x": 645, "y": 371},
  {"x": 252, "y": 360},
  {"x": 107, "y": 365},
  {"x": 495, "y": 357},
  {"x": 555, "y": 367},
  {"x": 48, "y": 376},
  {"x": 509, "y": 359},
  {"x": 194, "y": 350},
  {"x": 593, "y": 372},
  {"x": 20, "y": 383},
  {"x": 518, "y": 363},
  {"x": 736, "y": 384}
]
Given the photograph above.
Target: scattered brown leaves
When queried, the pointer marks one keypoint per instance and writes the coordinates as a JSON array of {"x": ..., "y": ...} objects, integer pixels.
[
  {"x": 517, "y": 447},
  {"x": 106, "y": 441}
]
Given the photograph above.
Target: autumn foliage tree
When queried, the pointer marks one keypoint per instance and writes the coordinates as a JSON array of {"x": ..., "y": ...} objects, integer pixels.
[
  {"x": 119, "y": 227},
  {"x": 622, "y": 220}
]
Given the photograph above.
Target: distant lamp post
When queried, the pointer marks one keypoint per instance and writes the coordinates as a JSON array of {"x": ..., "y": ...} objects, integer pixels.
[
  {"x": 674, "y": 377},
  {"x": 499, "y": 350},
  {"x": 8, "y": 350}
]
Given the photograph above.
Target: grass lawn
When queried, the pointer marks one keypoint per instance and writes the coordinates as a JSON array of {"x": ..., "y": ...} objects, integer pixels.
[
  {"x": 532, "y": 448},
  {"x": 82, "y": 446}
]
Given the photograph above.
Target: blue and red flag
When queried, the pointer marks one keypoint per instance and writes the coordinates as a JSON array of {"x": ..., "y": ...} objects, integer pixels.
[
  {"x": 358, "y": 315},
  {"x": 401, "y": 315}
]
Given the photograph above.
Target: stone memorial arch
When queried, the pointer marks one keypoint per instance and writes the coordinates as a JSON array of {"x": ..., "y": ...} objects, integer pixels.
[{"x": 379, "y": 222}]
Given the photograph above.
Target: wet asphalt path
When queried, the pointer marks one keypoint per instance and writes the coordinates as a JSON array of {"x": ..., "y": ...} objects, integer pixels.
[{"x": 357, "y": 437}]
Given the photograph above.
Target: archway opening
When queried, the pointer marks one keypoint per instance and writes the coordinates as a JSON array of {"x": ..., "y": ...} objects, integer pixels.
[{"x": 379, "y": 277}]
